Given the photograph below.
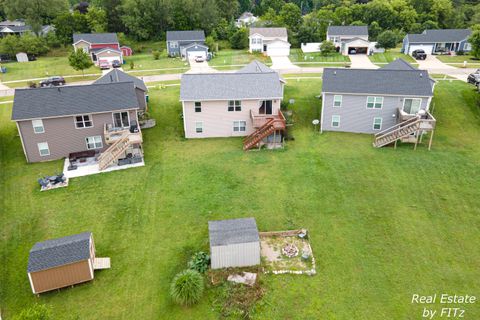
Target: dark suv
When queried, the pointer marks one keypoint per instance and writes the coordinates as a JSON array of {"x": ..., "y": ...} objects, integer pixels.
[
  {"x": 474, "y": 78},
  {"x": 419, "y": 54},
  {"x": 116, "y": 64},
  {"x": 52, "y": 82}
]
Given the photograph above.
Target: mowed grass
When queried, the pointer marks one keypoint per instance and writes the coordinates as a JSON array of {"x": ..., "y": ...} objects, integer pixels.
[
  {"x": 236, "y": 57},
  {"x": 384, "y": 224},
  {"x": 457, "y": 61},
  {"x": 298, "y": 57},
  {"x": 389, "y": 56}
]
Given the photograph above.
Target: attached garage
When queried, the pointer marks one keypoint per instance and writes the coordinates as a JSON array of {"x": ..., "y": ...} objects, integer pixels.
[
  {"x": 109, "y": 55},
  {"x": 195, "y": 50},
  {"x": 234, "y": 243},
  {"x": 428, "y": 48},
  {"x": 355, "y": 46},
  {"x": 278, "y": 48}
]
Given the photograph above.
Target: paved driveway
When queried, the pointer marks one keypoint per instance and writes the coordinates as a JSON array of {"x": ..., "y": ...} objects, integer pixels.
[
  {"x": 283, "y": 63},
  {"x": 199, "y": 67},
  {"x": 433, "y": 65},
  {"x": 361, "y": 61}
]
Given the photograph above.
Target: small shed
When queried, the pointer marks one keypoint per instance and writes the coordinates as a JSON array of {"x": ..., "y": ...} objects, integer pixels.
[
  {"x": 234, "y": 243},
  {"x": 126, "y": 51},
  {"x": 22, "y": 57},
  {"x": 61, "y": 262}
]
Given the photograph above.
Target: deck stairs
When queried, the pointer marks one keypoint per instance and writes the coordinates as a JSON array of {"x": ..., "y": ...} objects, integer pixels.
[
  {"x": 117, "y": 149},
  {"x": 267, "y": 129}
]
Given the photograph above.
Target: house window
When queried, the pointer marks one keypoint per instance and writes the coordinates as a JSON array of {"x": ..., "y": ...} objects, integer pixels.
[
  {"x": 121, "y": 119},
  {"x": 266, "y": 107},
  {"x": 239, "y": 126},
  {"x": 84, "y": 121},
  {"x": 43, "y": 149},
  {"x": 467, "y": 47},
  {"x": 198, "y": 106},
  {"x": 411, "y": 105},
  {"x": 199, "y": 127},
  {"x": 337, "y": 101},
  {"x": 234, "y": 105},
  {"x": 335, "y": 121},
  {"x": 374, "y": 102},
  {"x": 94, "y": 142},
  {"x": 38, "y": 126},
  {"x": 377, "y": 123},
  {"x": 256, "y": 41},
  {"x": 173, "y": 44}
]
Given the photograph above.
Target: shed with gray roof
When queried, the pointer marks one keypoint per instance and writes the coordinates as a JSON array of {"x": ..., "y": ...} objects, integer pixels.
[
  {"x": 61, "y": 262},
  {"x": 234, "y": 243}
]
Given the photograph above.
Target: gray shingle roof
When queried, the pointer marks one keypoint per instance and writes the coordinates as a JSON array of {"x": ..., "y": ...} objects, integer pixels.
[
  {"x": 72, "y": 100},
  {"x": 115, "y": 75},
  {"x": 270, "y": 32},
  {"x": 255, "y": 67},
  {"x": 96, "y": 37},
  {"x": 225, "y": 232},
  {"x": 440, "y": 35},
  {"x": 347, "y": 31},
  {"x": 247, "y": 83},
  {"x": 58, "y": 252},
  {"x": 193, "y": 35},
  {"x": 380, "y": 81},
  {"x": 17, "y": 28},
  {"x": 399, "y": 64}
]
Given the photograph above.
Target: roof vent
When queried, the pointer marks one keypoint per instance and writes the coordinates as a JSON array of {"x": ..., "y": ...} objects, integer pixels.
[
  {"x": 335, "y": 72},
  {"x": 421, "y": 75},
  {"x": 111, "y": 78}
]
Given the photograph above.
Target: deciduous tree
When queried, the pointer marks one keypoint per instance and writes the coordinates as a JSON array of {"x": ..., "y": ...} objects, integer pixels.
[{"x": 80, "y": 60}]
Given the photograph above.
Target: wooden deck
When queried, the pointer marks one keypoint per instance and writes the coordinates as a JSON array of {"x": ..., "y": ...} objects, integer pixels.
[{"x": 101, "y": 263}]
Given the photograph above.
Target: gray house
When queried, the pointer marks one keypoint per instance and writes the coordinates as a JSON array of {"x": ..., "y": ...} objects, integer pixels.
[
  {"x": 438, "y": 41},
  {"x": 371, "y": 101},
  {"x": 186, "y": 44},
  {"x": 234, "y": 243},
  {"x": 77, "y": 122}
]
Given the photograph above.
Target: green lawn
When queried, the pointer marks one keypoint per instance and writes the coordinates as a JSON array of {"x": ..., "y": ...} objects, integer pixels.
[
  {"x": 307, "y": 59},
  {"x": 457, "y": 61},
  {"x": 389, "y": 56},
  {"x": 384, "y": 224},
  {"x": 236, "y": 57}
]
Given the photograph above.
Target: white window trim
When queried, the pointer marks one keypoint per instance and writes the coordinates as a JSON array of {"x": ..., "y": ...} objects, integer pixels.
[
  {"x": 381, "y": 123},
  {"x": 113, "y": 118},
  {"x": 94, "y": 142},
  {"x": 173, "y": 44},
  {"x": 38, "y": 121},
  {"x": 341, "y": 101},
  {"x": 196, "y": 126},
  {"x": 375, "y": 102},
  {"x": 419, "y": 106},
  {"x": 234, "y": 105},
  {"x": 195, "y": 107},
  {"x": 339, "y": 118},
  {"x": 83, "y": 120},
  {"x": 239, "y": 126},
  {"x": 48, "y": 148}
]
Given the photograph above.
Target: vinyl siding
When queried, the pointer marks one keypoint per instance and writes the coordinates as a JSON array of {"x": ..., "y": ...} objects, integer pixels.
[
  {"x": 235, "y": 255},
  {"x": 356, "y": 118},
  {"x": 60, "y": 277},
  {"x": 62, "y": 136},
  {"x": 176, "y": 51},
  {"x": 218, "y": 121}
]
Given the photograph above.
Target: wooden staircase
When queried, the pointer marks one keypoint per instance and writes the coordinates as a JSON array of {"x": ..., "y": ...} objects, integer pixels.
[
  {"x": 404, "y": 130},
  {"x": 117, "y": 149},
  {"x": 270, "y": 126}
]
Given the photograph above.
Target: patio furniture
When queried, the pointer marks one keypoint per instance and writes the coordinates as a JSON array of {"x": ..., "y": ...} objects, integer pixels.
[{"x": 74, "y": 156}]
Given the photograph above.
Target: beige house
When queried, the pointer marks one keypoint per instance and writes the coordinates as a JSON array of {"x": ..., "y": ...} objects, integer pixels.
[
  {"x": 269, "y": 41},
  {"x": 244, "y": 103}
]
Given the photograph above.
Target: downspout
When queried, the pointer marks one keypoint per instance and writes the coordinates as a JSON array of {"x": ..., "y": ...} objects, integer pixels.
[{"x": 321, "y": 114}]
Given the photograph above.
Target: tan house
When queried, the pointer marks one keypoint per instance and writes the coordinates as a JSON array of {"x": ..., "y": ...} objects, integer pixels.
[
  {"x": 269, "y": 41},
  {"x": 62, "y": 262},
  {"x": 244, "y": 103},
  {"x": 100, "y": 46},
  {"x": 85, "y": 123}
]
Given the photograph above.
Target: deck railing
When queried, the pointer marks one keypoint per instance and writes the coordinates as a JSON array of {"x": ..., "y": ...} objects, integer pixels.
[{"x": 259, "y": 120}]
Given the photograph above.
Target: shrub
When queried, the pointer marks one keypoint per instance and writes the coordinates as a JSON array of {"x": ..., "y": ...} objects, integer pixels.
[
  {"x": 132, "y": 65},
  {"x": 327, "y": 48},
  {"x": 460, "y": 53},
  {"x": 36, "y": 312},
  {"x": 156, "y": 54},
  {"x": 199, "y": 262},
  {"x": 187, "y": 287}
]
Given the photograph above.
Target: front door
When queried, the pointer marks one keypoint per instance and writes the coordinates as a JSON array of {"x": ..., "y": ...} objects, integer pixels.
[{"x": 264, "y": 48}]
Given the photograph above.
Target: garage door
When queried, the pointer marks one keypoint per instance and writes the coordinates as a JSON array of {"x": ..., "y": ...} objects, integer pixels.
[
  {"x": 193, "y": 54},
  {"x": 278, "y": 51},
  {"x": 427, "y": 48}
]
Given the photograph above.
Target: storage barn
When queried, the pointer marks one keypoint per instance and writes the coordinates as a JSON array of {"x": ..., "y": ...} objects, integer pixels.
[
  {"x": 234, "y": 243},
  {"x": 61, "y": 262}
]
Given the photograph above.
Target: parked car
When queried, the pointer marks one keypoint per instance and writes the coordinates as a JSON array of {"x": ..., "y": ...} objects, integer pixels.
[
  {"x": 104, "y": 64},
  {"x": 53, "y": 82},
  {"x": 419, "y": 54},
  {"x": 474, "y": 78},
  {"x": 199, "y": 59},
  {"x": 352, "y": 51},
  {"x": 116, "y": 64}
]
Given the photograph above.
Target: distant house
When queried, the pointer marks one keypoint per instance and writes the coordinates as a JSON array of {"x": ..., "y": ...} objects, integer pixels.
[
  {"x": 61, "y": 262},
  {"x": 80, "y": 122},
  {"x": 372, "y": 101},
  {"x": 348, "y": 39},
  {"x": 438, "y": 41},
  {"x": 234, "y": 243},
  {"x": 243, "y": 103},
  {"x": 19, "y": 28},
  {"x": 246, "y": 19},
  {"x": 269, "y": 41},
  {"x": 187, "y": 44},
  {"x": 100, "y": 46}
]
